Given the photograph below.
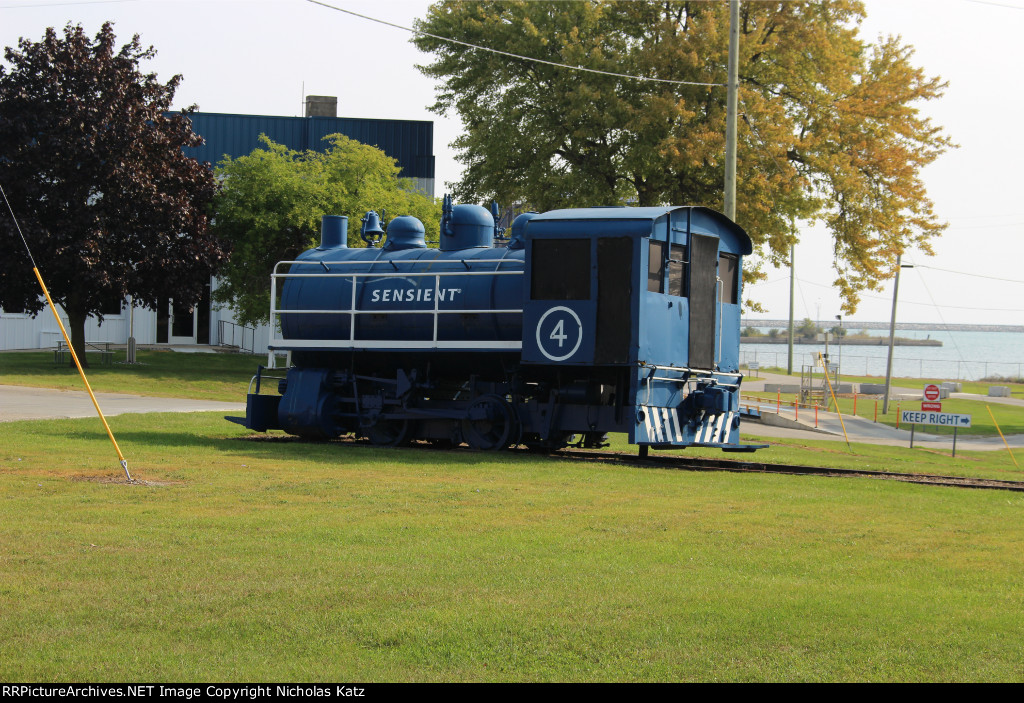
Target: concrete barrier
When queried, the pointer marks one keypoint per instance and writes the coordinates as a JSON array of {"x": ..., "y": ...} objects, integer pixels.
[
  {"x": 952, "y": 386},
  {"x": 999, "y": 391},
  {"x": 872, "y": 388},
  {"x": 782, "y": 388},
  {"x": 773, "y": 420}
]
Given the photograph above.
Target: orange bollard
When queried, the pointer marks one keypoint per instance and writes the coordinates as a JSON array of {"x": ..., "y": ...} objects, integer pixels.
[
  {"x": 876, "y": 411},
  {"x": 815, "y": 414},
  {"x": 854, "y": 403},
  {"x": 778, "y": 401},
  {"x": 897, "y": 414},
  {"x": 796, "y": 411}
]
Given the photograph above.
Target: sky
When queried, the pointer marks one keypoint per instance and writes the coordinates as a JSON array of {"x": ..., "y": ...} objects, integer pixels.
[{"x": 262, "y": 57}]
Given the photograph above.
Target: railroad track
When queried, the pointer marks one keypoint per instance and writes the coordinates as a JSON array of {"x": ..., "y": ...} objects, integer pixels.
[
  {"x": 734, "y": 466},
  {"x": 679, "y": 463}
]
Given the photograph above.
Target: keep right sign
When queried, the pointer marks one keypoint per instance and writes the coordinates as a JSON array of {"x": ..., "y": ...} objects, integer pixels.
[{"x": 915, "y": 417}]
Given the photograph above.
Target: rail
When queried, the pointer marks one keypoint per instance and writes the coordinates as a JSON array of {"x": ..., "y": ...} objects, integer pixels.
[
  {"x": 232, "y": 334},
  {"x": 426, "y": 294}
]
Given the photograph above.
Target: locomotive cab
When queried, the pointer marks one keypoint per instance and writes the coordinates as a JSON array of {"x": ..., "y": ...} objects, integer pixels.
[{"x": 652, "y": 291}]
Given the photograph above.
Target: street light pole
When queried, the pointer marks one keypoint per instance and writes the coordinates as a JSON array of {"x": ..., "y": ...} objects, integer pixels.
[
  {"x": 792, "y": 280},
  {"x": 839, "y": 336}
]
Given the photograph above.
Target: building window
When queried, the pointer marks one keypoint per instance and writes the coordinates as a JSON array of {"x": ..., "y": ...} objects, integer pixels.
[
  {"x": 677, "y": 271},
  {"x": 728, "y": 270},
  {"x": 656, "y": 267},
  {"x": 112, "y": 305}
]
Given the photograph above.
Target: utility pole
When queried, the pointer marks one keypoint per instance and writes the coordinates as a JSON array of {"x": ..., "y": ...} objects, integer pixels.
[
  {"x": 839, "y": 336},
  {"x": 730, "y": 110},
  {"x": 792, "y": 284},
  {"x": 892, "y": 334}
]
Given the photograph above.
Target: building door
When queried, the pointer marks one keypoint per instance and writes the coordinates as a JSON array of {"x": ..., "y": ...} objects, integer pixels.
[
  {"x": 182, "y": 323},
  {"x": 177, "y": 323}
]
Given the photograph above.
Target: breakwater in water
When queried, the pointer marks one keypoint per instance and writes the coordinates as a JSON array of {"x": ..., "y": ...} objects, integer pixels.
[
  {"x": 916, "y": 326},
  {"x": 846, "y": 341}
]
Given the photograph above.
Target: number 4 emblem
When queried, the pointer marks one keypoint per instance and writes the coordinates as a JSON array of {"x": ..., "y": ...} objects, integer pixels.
[
  {"x": 559, "y": 333},
  {"x": 565, "y": 329}
]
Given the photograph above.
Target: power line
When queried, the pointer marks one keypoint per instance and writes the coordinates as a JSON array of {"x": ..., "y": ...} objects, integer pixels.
[
  {"x": 17, "y": 226},
  {"x": 965, "y": 273},
  {"x": 63, "y": 330},
  {"x": 996, "y": 4},
  {"x": 943, "y": 319},
  {"x": 511, "y": 55},
  {"x": 764, "y": 146},
  {"x": 62, "y": 4},
  {"x": 991, "y": 226}
]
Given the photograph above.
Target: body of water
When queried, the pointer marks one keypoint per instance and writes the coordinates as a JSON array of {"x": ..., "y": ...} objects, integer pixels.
[{"x": 966, "y": 356}]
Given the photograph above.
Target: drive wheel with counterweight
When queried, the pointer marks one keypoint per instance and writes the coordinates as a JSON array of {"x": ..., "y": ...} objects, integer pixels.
[
  {"x": 387, "y": 433},
  {"x": 490, "y": 424}
]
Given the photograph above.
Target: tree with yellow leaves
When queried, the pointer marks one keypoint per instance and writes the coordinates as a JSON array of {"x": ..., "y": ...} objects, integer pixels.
[{"x": 830, "y": 124}]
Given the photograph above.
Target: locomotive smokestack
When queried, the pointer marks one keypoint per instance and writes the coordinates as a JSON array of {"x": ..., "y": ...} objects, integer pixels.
[{"x": 334, "y": 232}]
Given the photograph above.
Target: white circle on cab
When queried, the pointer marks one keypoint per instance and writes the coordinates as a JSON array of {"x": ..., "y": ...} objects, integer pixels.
[{"x": 559, "y": 334}]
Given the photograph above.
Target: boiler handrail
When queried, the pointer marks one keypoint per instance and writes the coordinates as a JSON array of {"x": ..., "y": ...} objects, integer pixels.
[{"x": 353, "y": 310}]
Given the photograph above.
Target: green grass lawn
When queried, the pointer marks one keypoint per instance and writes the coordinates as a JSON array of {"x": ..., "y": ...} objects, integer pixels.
[
  {"x": 252, "y": 557},
  {"x": 165, "y": 374},
  {"x": 834, "y": 453},
  {"x": 262, "y": 558}
]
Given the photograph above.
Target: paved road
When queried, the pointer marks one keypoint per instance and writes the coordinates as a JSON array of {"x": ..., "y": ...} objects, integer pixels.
[
  {"x": 24, "y": 403},
  {"x": 862, "y": 430}
]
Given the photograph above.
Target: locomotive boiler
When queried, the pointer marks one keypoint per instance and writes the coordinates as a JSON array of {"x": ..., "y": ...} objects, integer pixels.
[{"x": 584, "y": 322}]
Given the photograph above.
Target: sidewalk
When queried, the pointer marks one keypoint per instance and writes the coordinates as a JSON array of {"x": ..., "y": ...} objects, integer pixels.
[{"x": 25, "y": 403}]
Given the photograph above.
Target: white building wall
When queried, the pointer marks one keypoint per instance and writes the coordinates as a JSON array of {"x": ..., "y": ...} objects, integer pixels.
[{"x": 21, "y": 331}]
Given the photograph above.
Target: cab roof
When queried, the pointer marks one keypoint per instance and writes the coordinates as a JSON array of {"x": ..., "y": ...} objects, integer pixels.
[{"x": 704, "y": 218}]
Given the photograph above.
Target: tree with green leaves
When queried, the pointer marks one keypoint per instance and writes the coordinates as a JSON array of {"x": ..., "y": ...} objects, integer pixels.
[
  {"x": 831, "y": 130},
  {"x": 808, "y": 328},
  {"x": 272, "y": 200},
  {"x": 92, "y": 162}
]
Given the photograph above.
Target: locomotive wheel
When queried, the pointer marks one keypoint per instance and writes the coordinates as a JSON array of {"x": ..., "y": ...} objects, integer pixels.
[
  {"x": 552, "y": 444},
  {"x": 489, "y": 424},
  {"x": 388, "y": 433}
]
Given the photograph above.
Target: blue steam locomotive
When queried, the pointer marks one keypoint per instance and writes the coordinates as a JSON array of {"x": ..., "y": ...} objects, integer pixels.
[{"x": 583, "y": 322}]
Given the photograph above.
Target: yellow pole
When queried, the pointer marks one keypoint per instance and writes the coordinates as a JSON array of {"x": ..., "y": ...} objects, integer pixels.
[
  {"x": 124, "y": 462},
  {"x": 1001, "y": 435},
  {"x": 834, "y": 400}
]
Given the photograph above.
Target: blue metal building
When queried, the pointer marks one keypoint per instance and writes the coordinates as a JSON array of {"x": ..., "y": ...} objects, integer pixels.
[{"x": 410, "y": 142}]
